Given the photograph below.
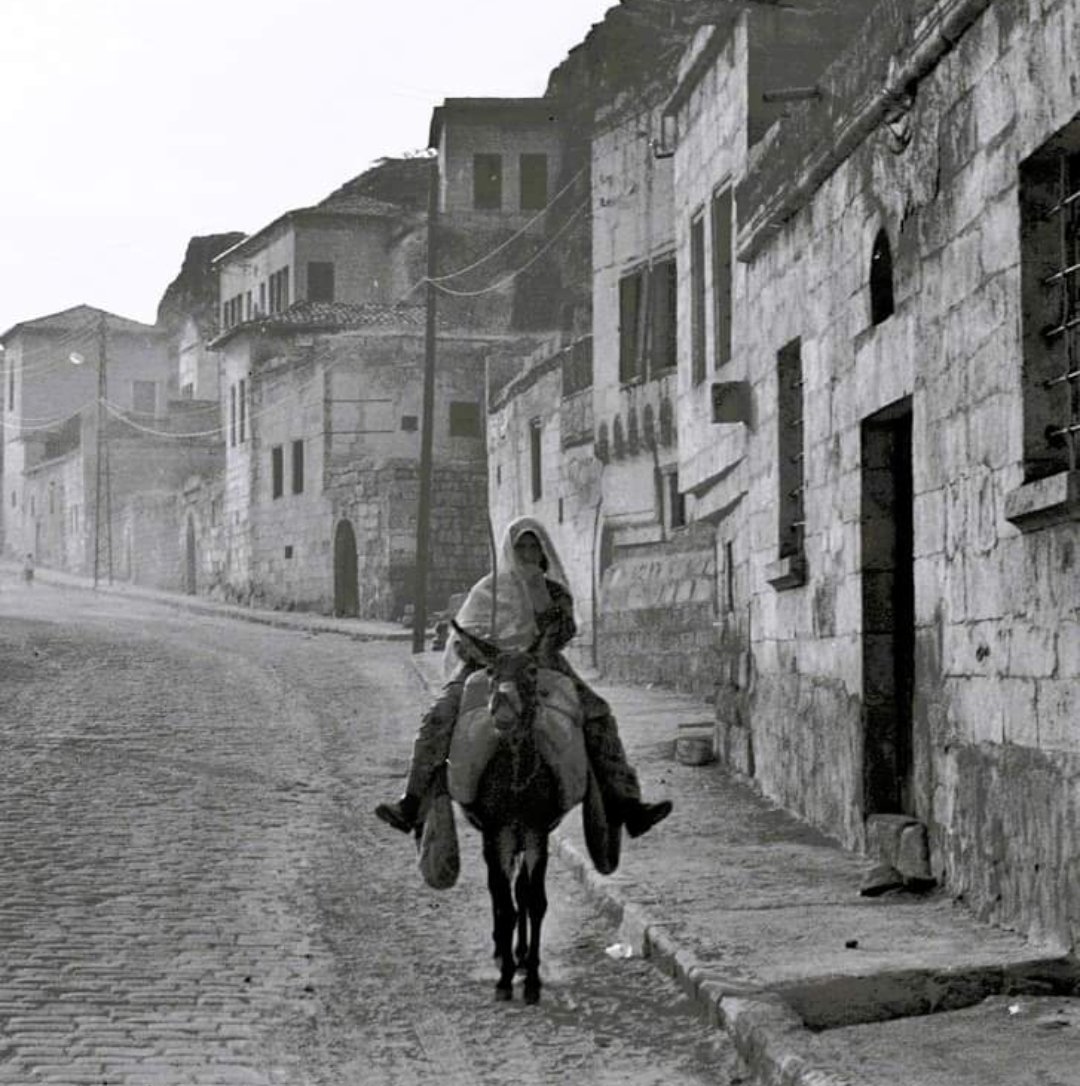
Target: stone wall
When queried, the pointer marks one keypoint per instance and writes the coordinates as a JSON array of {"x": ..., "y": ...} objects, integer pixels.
[
  {"x": 658, "y": 605},
  {"x": 997, "y": 675}
]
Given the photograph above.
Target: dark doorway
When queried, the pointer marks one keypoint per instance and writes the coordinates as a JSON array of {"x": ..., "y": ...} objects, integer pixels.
[
  {"x": 189, "y": 559},
  {"x": 888, "y": 604},
  {"x": 346, "y": 592}
]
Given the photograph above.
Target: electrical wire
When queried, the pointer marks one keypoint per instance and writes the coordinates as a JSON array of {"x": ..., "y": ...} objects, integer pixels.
[
  {"x": 513, "y": 237},
  {"x": 524, "y": 267}
]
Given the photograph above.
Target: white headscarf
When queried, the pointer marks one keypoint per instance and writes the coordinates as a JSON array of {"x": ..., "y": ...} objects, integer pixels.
[{"x": 498, "y": 608}]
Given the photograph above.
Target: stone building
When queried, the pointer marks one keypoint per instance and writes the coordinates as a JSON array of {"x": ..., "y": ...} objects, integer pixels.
[
  {"x": 323, "y": 456},
  {"x": 875, "y": 423},
  {"x": 897, "y": 422},
  {"x": 51, "y": 371}
]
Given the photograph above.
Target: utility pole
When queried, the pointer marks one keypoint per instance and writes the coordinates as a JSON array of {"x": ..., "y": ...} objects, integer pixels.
[
  {"x": 427, "y": 422},
  {"x": 101, "y": 465}
]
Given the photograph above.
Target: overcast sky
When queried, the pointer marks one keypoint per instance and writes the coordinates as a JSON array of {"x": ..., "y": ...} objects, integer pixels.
[{"x": 130, "y": 126}]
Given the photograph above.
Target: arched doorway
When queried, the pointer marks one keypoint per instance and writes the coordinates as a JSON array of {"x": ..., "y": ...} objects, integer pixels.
[
  {"x": 189, "y": 556},
  {"x": 346, "y": 593}
]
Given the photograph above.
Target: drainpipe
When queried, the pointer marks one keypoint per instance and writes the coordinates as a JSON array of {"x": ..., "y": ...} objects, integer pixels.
[{"x": 946, "y": 31}]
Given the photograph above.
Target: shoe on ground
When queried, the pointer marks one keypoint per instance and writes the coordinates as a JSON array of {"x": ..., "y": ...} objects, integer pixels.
[
  {"x": 641, "y": 817},
  {"x": 401, "y": 814}
]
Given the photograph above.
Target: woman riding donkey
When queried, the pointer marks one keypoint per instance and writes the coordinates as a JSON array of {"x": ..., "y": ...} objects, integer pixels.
[{"x": 532, "y": 606}]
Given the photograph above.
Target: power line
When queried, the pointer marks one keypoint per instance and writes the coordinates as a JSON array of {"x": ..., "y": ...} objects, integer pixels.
[{"x": 524, "y": 267}]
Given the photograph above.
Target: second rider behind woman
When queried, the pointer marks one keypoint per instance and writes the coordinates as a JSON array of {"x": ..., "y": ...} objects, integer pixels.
[{"x": 533, "y": 606}]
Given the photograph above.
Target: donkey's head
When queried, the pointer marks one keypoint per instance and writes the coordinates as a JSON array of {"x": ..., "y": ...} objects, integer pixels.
[{"x": 512, "y": 674}]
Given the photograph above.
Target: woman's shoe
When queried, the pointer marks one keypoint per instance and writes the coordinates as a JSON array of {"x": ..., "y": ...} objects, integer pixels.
[
  {"x": 640, "y": 817},
  {"x": 401, "y": 814}
]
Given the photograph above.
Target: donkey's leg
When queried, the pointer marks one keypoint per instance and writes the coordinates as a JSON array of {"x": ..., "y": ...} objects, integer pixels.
[
  {"x": 536, "y": 861},
  {"x": 521, "y": 900},
  {"x": 502, "y": 908}
]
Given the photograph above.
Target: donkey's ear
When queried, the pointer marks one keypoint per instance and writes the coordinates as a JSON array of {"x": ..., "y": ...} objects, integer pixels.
[{"x": 476, "y": 648}]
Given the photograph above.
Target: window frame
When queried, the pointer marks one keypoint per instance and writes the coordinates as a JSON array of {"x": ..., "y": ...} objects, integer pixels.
[
  {"x": 698, "y": 369},
  {"x": 298, "y": 466},
  {"x": 487, "y": 188},
  {"x": 277, "y": 472},
  {"x": 536, "y": 161},
  {"x": 323, "y": 273},
  {"x": 722, "y": 210}
]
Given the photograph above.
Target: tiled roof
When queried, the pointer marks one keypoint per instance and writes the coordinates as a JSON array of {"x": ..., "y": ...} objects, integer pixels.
[
  {"x": 331, "y": 317},
  {"x": 350, "y": 203},
  {"x": 77, "y": 317}
]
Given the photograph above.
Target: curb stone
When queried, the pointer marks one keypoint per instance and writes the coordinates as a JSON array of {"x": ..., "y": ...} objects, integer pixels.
[{"x": 767, "y": 1033}]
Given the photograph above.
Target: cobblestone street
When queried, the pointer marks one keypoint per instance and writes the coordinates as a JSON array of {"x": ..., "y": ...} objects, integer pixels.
[{"x": 193, "y": 888}]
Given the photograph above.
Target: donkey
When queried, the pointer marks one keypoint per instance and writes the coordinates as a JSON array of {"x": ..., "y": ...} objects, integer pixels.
[{"x": 518, "y": 802}]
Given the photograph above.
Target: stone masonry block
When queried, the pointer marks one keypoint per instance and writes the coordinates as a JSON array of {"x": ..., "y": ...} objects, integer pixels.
[
  {"x": 1032, "y": 650},
  {"x": 913, "y": 854},
  {"x": 1059, "y": 714},
  {"x": 883, "y": 833}
]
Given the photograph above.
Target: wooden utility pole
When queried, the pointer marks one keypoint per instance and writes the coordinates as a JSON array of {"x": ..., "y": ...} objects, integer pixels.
[
  {"x": 101, "y": 465},
  {"x": 427, "y": 423},
  {"x": 100, "y": 444}
]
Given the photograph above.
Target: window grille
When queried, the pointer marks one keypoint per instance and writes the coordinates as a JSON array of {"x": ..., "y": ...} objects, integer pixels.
[
  {"x": 1050, "y": 293},
  {"x": 790, "y": 447},
  {"x": 1064, "y": 282}
]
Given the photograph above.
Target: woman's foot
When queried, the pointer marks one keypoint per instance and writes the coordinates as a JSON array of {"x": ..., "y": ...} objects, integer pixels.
[
  {"x": 639, "y": 818},
  {"x": 401, "y": 814}
]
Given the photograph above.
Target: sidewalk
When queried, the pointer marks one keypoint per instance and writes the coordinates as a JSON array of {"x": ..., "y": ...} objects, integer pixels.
[
  {"x": 357, "y": 629},
  {"x": 759, "y": 918}
]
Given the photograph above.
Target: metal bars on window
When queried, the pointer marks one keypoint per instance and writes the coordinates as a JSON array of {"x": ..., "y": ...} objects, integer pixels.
[
  {"x": 791, "y": 450},
  {"x": 1066, "y": 280}
]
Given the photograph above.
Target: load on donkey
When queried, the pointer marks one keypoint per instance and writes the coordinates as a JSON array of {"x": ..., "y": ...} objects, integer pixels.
[{"x": 533, "y": 741}]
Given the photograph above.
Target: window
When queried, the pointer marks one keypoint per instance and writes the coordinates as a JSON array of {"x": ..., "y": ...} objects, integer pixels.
[
  {"x": 288, "y": 550},
  {"x": 631, "y": 313},
  {"x": 663, "y": 291},
  {"x": 409, "y": 423},
  {"x": 1050, "y": 304},
  {"x": 232, "y": 414},
  {"x": 11, "y": 386},
  {"x": 534, "y": 182},
  {"x": 187, "y": 391},
  {"x": 790, "y": 449},
  {"x": 52, "y": 498},
  {"x": 242, "y": 397},
  {"x": 320, "y": 281},
  {"x": 487, "y": 182},
  {"x": 277, "y": 472},
  {"x": 262, "y": 298},
  {"x": 247, "y": 305},
  {"x": 697, "y": 300},
  {"x": 881, "y": 279},
  {"x": 721, "y": 268},
  {"x": 465, "y": 420},
  {"x": 535, "y": 434},
  {"x": 144, "y": 397},
  {"x": 298, "y": 467},
  {"x": 675, "y": 504},
  {"x": 279, "y": 290},
  {"x": 729, "y": 576}
]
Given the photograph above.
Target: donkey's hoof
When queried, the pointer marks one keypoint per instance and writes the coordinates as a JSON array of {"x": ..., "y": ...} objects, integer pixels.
[
  {"x": 503, "y": 995},
  {"x": 532, "y": 993}
]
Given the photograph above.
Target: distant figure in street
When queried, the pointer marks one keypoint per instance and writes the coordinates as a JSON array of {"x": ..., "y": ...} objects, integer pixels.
[
  {"x": 28, "y": 569},
  {"x": 534, "y": 610}
]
